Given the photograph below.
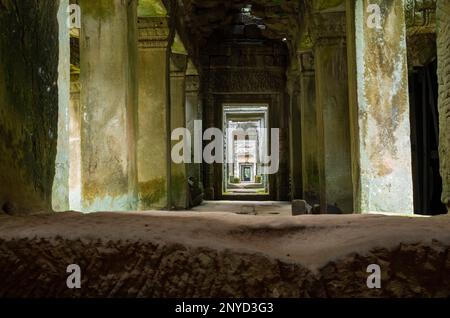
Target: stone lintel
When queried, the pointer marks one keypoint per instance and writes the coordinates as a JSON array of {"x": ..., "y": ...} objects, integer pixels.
[{"x": 153, "y": 32}]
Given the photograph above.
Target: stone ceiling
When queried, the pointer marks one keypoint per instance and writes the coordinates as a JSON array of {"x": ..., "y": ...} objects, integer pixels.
[
  {"x": 278, "y": 19},
  {"x": 201, "y": 21}
]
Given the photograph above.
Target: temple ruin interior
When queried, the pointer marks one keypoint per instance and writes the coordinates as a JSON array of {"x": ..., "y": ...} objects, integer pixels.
[{"x": 348, "y": 102}]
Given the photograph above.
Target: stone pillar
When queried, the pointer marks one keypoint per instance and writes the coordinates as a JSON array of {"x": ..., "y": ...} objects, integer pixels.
[
  {"x": 193, "y": 113},
  {"x": 107, "y": 63},
  {"x": 311, "y": 188},
  {"x": 293, "y": 88},
  {"x": 153, "y": 160},
  {"x": 34, "y": 81},
  {"x": 208, "y": 115},
  {"x": 380, "y": 107},
  {"x": 330, "y": 54},
  {"x": 75, "y": 144},
  {"x": 61, "y": 188},
  {"x": 443, "y": 43},
  {"x": 179, "y": 184}
]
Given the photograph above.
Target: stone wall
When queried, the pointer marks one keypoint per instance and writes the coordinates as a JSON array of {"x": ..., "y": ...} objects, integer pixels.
[
  {"x": 443, "y": 43},
  {"x": 28, "y": 103}
]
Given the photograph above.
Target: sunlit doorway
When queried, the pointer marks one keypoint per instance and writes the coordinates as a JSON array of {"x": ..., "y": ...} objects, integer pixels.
[{"x": 245, "y": 143}]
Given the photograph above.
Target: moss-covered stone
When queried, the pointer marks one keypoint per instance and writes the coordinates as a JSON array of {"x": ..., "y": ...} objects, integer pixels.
[
  {"x": 99, "y": 9},
  {"x": 179, "y": 190},
  {"x": 108, "y": 101},
  {"x": 153, "y": 193},
  {"x": 327, "y": 4},
  {"x": 28, "y": 102},
  {"x": 151, "y": 8}
]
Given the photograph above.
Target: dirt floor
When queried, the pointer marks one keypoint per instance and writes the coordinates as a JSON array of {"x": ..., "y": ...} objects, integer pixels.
[
  {"x": 202, "y": 254},
  {"x": 246, "y": 207}
]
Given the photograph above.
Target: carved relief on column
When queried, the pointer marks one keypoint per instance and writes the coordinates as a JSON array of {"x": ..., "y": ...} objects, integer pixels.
[
  {"x": 310, "y": 169},
  {"x": 153, "y": 157},
  {"x": 193, "y": 113},
  {"x": 192, "y": 84},
  {"x": 420, "y": 16},
  {"x": 306, "y": 61},
  {"x": 332, "y": 111},
  {"x": 153, "y": 32},
  {"x": 328, "y": 29},
  {"x": 293, "y": 90},
  {"x": 179, "y": 182},
  {"x": 443, "y": 41}
]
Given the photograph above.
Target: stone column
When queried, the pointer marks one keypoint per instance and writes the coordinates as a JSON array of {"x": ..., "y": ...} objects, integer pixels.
[
  {"x": 107, "y": 60},
  {"x": 179, "y": 184},
  {"x": 310, "y": 167},
  {"x": 75, "y": 143},
  {"x": 380, "y": 107},
  {"x": 60, "y": 198},
  {"x": 443, "y": 43},
  {"x": 330, "y": 54},
  {"x": 293, "y": 88},
  {"x": 193, "y": 113},
  {"x": 153, "y": 160}
]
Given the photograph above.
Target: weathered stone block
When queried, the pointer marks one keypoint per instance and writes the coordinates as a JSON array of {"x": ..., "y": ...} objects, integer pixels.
[{"x": 299, "y": 207}]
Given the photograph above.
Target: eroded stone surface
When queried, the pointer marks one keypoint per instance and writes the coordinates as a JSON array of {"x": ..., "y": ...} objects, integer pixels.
[
  {"x": 28, "y": 103},
  {"x": 443, "y": 40},
  {"x": 384, "y": 143},
  {"x": 108, "y": 104},
  {"x": 223, "y": 255},
  {"x": 152, "y": 113}
]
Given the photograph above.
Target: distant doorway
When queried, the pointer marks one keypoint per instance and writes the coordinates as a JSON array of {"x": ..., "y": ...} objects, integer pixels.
[
  {"x": 245, "y": 140},
  {"x": 246, "y": 173}
]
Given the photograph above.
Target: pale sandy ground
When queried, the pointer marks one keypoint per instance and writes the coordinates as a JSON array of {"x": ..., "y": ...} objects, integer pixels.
[
  {"x": 310, "y": 240},
  {"x": 246, "y": 207}
]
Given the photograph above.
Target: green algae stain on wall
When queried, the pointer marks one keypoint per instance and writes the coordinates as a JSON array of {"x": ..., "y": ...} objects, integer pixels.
[
  {"x": 179, "y": 190},
  {"x": 98, "y": 8},
  {"x": 151, "y": 8},
  {"x": 178, "y": 46},
  {"x": 153, "y": 193},
  {"x": 327, "y": 4}
]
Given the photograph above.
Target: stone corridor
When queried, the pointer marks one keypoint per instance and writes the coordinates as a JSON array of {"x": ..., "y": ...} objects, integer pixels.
[
  {"x": 92, "y": 94},
  {"x": 168, "y": 147}
]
